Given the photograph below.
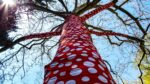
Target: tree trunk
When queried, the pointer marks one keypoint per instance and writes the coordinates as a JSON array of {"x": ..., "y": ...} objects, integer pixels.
[{"x": 77, "y": 60}]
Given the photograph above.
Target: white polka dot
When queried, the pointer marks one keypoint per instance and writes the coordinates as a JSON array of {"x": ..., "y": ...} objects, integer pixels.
[
  {"x": 105, "y": 75},
  {"x": 100, "y": 67},
  {"x": 63, "y": 46},
  {"x": 88, "y": 49},
  {"x": 80, "y": 41},
  {"x": 78, "y": 49},
  {"x": 62, "y": 58},
  {"x": 76, "y": 44},
  {"x": 102, "y": 78},
  {"x": 82, "y": 37},
  {"x": 47, "y": 79},
  {"x": 85, "y": 35},
  {"x": 59, "y": 55},
  {"x": 66, "y": 49},
  {"x": 95, "y": 55},
  {"x": 60, "y": 82},
  {"x": 84, "y": 54},
  {"x": 68, "y": 53},
  {"x": 61, "y": 65},
  {"x": 70, "y": 57},
  {"x": 92, "y": 70},
  {"x": 48, "y": 74},
  {"x": 63, "y": 73},
  {"x": 52, "y": 80},
  {"x": 78, "y": 59},
  {"x": 71, "y": 82},
  {"x": 91, "y": 59},
  {"x": 53, "y": 64},
  {"x": 68, "y": 63},
  {"x": 84, "y": 51},
  {"x": 73, "y": 40},
  {"x": 81, "y": 46},
  {"x": 72, "y": 50},
  {"x": 85, "y": 79},
  {"x": 75, "y": 71},
  {"x": 88, "y": 64},
  {"x": 55, "y": 72},
  {"x": 86, "y": 44},
  {"x": 93, "y": 48},
  {"x": 74, "y": 66},
  {"x": 102, "y": 64}
]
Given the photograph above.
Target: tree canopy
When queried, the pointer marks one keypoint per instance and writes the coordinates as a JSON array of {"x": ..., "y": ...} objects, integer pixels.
[{"x": 21, "y": 57}]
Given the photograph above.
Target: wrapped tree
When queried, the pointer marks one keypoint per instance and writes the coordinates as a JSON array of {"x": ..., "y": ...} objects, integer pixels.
[{"x": 77, "y": 59}]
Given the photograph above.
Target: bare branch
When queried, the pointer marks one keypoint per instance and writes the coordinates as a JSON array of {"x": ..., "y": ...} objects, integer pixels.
[
  {"x": 139, "y": 64},
  {"x": 84, "y": 7},
  {"x": 132, "y": 17},
  {"x": 62, "y": 2},
  {"x": 40, "y": 8},
  {"x": 41, "y": 35},
  {"x": 110, "y": 32},
  {"x": 76, "y": 4}
]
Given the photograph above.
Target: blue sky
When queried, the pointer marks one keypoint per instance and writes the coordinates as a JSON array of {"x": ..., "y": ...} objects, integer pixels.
[{"x": 120, "y": 58}]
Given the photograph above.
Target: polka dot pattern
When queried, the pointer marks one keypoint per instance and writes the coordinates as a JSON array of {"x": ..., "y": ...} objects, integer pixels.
[
  {"x": 60, "y": 82},
  {"x": 85, "y": 79},
  {"x": 68, "y": 64},
  {"x": 66, "y": 49},
  {"x": 84, "y": 54},
  {"x": 63, "y": 73},
  {"x": 75, "y": 72},
  {"x": 52, "y": 80},
  {"x": 55, "y": 72},
  {"x": 77, "y": 60},
  {"x": 92, "y": 70},
  {"x": 91, "y": 59},
  {"x": 78, "y": 49},
  {"x": 100, "y": 67},
  {"x": 54, "y": 64},
  {"x": 74, "y": 66},
  {"x": 88, "y": 64},
  {"x": 76, "y": 44},
  {"x": 103, "y": 79},
  {"x": 70, "y": 57},
  {"x": 71, "y": 82}
]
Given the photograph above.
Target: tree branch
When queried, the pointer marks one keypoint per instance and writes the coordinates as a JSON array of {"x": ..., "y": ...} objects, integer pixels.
[
  {"x": 62, "y": 2},
  {"x": 116, "y": 34},
  {"x": 40, "y": 8},
  {"x": 132, "y": 17},
  {"x": 139, "y": 64},
  {"x": 84, "y": 7},
  {"x": 95, "y": 11},
  {"x": 76, "y": 4},
  {"x": 39, "y": 35}
]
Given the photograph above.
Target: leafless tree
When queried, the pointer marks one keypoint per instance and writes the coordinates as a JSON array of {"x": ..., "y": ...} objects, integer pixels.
[{"x": 131, "y": 17}]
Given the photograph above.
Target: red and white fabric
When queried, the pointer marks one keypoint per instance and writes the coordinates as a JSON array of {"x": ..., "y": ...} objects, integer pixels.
[{"x": 77, "y": 60}]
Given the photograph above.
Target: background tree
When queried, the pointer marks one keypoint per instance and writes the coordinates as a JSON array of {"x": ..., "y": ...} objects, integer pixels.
[
  {"x": 21, "y": 57},
  {"x": 145, "y": 64}
]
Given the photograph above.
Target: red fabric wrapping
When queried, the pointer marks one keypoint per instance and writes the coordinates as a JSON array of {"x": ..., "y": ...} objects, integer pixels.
[
  {"x": 97, "y": 10},
  {"x": 42, "y": 35},
  {"x": 77, "y": 60},
  {"x": 108, "y": 33}
]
